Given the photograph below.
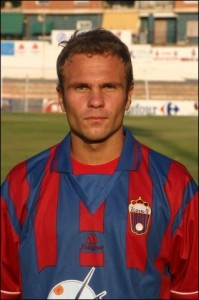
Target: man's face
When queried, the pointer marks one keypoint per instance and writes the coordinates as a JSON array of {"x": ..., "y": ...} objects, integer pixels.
[{"x": 95, "y": 96}]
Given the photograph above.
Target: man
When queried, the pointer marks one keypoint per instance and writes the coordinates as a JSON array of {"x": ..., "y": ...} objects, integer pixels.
[{"x": 99, "y": 215}]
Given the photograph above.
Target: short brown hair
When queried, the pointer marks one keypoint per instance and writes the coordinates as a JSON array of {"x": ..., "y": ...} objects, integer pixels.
[{"x": 97, "y": 41}]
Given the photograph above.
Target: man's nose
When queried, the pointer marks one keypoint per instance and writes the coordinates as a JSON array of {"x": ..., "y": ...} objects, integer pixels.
[{"x": 96, "y": 98}]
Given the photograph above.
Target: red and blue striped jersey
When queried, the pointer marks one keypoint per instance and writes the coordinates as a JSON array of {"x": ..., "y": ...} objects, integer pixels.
[{"x": 127, "y": 234}]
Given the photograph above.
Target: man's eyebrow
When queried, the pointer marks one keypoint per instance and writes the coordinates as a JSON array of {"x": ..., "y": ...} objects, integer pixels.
[
  {"x": 115, "y": 83},
  {"x": 76, "y": 84},
  {"x": 81, "y": 83}
]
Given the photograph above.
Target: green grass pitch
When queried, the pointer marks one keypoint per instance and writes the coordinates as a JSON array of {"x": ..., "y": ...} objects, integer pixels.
[{"x": 23, "y": 135}]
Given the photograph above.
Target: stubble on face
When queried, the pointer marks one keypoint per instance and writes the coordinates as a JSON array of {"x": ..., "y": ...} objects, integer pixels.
[{"x": 95, "y": 98}]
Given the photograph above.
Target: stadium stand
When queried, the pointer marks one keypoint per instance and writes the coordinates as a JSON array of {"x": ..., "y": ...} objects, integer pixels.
[{"x": 40, "y": 89}]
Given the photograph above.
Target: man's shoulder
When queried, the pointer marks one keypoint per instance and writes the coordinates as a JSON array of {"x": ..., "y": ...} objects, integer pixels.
[
  {"x": 33, "y": 164},
  {"x": 167, "y": 167}
]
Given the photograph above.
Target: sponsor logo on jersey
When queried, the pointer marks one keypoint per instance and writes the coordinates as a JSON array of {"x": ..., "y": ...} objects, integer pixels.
[
  {"x": 91, "y": 252},
  {"x": 75, "y": 289},
  {"x": 92, "y": 243}
]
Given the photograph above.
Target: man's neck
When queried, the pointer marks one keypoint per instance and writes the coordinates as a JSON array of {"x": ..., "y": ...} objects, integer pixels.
[{"x": 97, "y": 153}]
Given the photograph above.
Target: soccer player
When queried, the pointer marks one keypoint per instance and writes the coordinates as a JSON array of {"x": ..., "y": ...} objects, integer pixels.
[{"x": 99, "y": 215}]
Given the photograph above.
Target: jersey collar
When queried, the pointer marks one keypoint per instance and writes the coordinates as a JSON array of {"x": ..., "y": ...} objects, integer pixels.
[{"x": 129, "y": 160}]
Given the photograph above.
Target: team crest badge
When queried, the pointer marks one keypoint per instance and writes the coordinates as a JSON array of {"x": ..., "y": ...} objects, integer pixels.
[{"x": 140, "y": 213}]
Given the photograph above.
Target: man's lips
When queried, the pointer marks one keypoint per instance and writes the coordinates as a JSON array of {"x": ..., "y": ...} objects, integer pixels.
[{"x": 95, "y": 118}]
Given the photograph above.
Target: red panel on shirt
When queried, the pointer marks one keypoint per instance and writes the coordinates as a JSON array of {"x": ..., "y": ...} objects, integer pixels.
[
  {"x": 107, "y": 168},
  {"x": 91, "y": 222},
  {"x": 140, "y": 186},
  {"x": 174, "y": 192},
  {"x": 185, "y": 254},
  {"x": 46, "y": 218},
  {"x": 17, "y": 178},
  {"x": 10, "y": 276},
  {"x": 92, "y": 259},
  {"x": 186, "y": 283}
]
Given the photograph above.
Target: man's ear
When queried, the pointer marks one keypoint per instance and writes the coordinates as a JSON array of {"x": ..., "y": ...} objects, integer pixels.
[
  {"x": 60, "y": 98},
  {"x": 129, "y": 98}
]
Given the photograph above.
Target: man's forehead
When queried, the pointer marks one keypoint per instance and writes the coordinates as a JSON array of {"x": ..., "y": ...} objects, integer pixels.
[{"x": 89, "y": 55}]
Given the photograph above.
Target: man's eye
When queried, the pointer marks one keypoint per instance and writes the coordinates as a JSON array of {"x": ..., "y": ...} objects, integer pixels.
[
  {"x": 109, "y": 87},
  {"x": 81, "y": 88}
]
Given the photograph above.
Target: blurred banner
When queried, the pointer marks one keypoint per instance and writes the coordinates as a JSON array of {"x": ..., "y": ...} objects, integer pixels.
[
  {"x": 37, "y": 59},
  {"x": 138, "y": 107},
  {"x": 163, "y": 108},
  {"x": 143, "y": 108},
  {"x": 58, "y": 36}
]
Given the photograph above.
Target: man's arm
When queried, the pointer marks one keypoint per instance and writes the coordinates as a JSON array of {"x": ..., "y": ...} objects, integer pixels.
[
  {"x": 184, "y": 260},
  {"x": 10, "y": 271}
]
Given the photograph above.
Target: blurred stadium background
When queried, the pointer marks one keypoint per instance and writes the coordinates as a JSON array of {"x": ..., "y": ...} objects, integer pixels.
[{"x": 162, "y": 37}]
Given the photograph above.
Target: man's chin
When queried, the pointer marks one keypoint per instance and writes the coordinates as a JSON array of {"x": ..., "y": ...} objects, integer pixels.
[{"x": 93, "y": 137}]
